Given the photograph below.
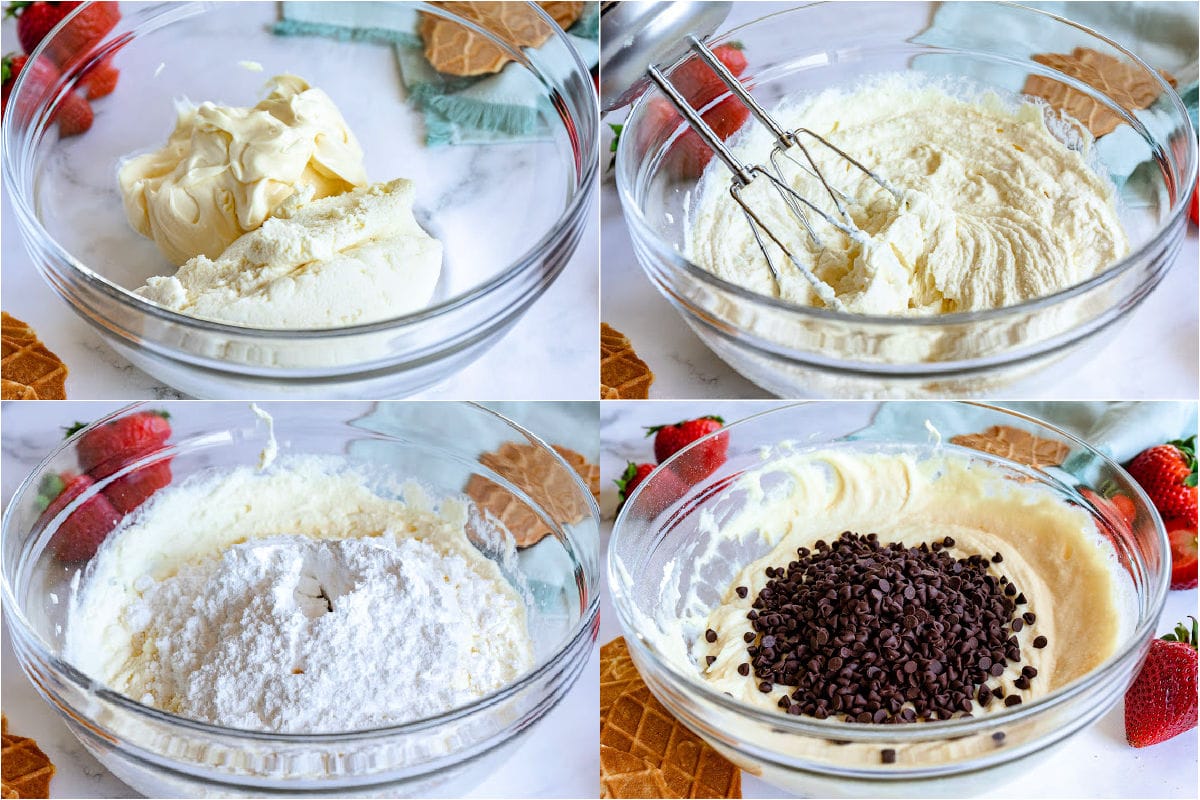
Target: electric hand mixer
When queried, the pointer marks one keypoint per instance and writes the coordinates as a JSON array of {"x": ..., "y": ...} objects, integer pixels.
[{"x": 637, "y": 37}]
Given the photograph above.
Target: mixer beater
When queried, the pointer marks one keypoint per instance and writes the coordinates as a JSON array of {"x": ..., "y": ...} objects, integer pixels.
[{"x": 787, "y": 142}]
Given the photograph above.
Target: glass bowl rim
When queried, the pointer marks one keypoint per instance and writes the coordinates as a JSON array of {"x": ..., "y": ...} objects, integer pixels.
[
  {"x": 1156, "y": 596},
  {"x": 14, "y": 616},
  {"x": 162, "y": 14},
  {"x": 668, "y": 255}
]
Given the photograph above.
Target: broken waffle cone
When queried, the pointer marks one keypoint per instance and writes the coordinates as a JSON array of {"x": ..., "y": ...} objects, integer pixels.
[
  {"x": 26, "y": 770},
  {"x": 1017, "y": 445},
  {"x": 28, "y": 369},
  {"x": 646, "y": 752},
  {"x": 453, "y": 49},
  {"x": 1129, "y": 86},
  {"x": 537, "y": 474},
  {"x": 623, "y": 376}
]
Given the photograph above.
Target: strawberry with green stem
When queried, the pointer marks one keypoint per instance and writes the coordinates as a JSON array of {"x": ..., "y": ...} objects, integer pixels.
[
  {"x": 107, "y": 448},
  {"x": 1161, "y": 702},
  {"x": 1167, "y": 473},
  {"x": 73, "y": 114},
  {"x": 80, "y": 534}
]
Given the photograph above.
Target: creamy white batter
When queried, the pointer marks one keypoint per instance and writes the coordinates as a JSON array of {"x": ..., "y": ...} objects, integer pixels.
[
  {"x": 994, "y": 209},
  {"x": 297, "y": 599}
]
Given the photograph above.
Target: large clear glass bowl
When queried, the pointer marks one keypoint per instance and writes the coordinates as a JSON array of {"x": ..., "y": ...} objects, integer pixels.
[
  {"x": 957, "y": 757},
  {"x": 439, "y": 444},
  {"x": 798, "y": 351},
  {"x": 509, "y": 215}
]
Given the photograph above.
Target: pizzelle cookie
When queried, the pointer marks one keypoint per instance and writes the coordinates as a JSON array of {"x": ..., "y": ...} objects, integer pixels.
[
  {"x": 29, "y": 370},
  {"x": 25, "y": 771},
  {"x": 1017, "y": 445},
  {"x": 646, "y": 752},
  {"x": 623, "y": 376},
  {"x": 537, "y": 474},
  {"x": 453, "y": 49}
]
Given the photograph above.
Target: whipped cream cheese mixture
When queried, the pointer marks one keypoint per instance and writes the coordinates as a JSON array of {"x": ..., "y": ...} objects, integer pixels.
[
  {"x": 994, "y": 208},
  {"x": 297, "y": 599},
  {"x": 1080, "y": 598},
  {"x": 268, "y": 213}
]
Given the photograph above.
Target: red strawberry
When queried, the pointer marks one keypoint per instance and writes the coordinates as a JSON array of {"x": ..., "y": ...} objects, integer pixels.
[
  {"x": 1161, "y": 703},
  {"x": 1194, "y": 206},
  {"x": 631, "y": 478},
  {"x": 1168, "y": 474},
  {"x": 105, "y": 449},
  {"x": 81, "y": 35},
  {"x": 74, "y": 115},
  {"x": 120, "y": 440},
  {"x": 78, "y": 537},
  {"x": 1182, "y": 534},
  {"x": 670, "y": 439},
  {"x": 35, "y": 20},
  {"x": 100, "y": 80},
  {"x": 699, "y": 85}
]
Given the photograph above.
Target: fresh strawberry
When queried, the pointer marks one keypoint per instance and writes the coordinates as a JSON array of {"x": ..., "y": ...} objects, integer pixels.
[
  {"x": 130, "y": 491},
  {"x": 109, "y": 447},
  {"x": 1182, "y": 534},
  {"x": 74, "y": 115},
  {"x": 670, "y": 439},
  {"x": 83, "y": 32},
  {"x": 36, "y": 19},
  {"x": 1161, "y": 703},
  {"x": 113, "y": 443},
  {"x": 697, "y": 82},
  {"x": 78, "y": 537},
  {"x": 1167, "y": 472},
  {"x": 631, "y": 478},
  {"x": 100, "y": 80}
]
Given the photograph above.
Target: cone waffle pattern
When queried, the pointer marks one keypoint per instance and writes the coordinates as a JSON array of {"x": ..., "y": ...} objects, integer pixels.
[
  {"x": 452, "y": 49},
  {"x": 26, "y": 770},
  {"x": 623, "y": 376},
  {"x": 1016, "y": 445},
  {"x": 28, "y": 370}
]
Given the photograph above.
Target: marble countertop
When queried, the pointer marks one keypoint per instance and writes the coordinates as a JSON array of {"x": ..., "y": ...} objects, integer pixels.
[
  {"x": 536, "y": 768},
  {"x": 1096, "y": 762},
  {"x": 558, "y": 333},
  {"x": 1156, "y": 355}
]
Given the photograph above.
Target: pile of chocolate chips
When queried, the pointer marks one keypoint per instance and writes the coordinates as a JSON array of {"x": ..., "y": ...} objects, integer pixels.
[{"x": 885, "y": 634}]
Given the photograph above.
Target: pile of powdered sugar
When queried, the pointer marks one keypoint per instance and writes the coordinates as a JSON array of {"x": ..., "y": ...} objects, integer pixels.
[{"x": 294, "y": 634}]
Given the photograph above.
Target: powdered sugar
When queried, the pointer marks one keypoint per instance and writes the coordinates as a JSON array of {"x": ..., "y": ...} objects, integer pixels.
[{"x": 298, "y": 635}]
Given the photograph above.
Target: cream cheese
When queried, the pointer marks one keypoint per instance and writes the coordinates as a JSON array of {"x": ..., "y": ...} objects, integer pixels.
[
  {"x": 226, "y": 169},
  {"x": 352, "y": 258},
  {"x": 993, "y": 208}
]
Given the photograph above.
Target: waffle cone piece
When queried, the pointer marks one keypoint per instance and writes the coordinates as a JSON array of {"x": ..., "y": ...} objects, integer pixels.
[
  {"x": 542, "y": 478},
  {"x": 29, "y": 370},
  {"x": 25, "y": 771},
  {"x": 1129, "y": 86},
  {"x": 1017, "y": 445},
  {"x": 623, "y": 376},
  {"x": 453, "y": 49},
  {"x": 646, "y": 752}
]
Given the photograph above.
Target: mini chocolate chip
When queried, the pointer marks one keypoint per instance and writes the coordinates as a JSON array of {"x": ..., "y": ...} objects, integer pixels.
[
  {"x": 998, "y": 737},
  {"x": 887, "y": 755},
  {"x": 1012, "y": 700},
  {"x": 1017, "y": 624},
  {"x": 1040, "y": 642},
  {"x": 996, "y": 559},
  {"x": 710, "y": 660},
  {"x": 710, "y": 635}
]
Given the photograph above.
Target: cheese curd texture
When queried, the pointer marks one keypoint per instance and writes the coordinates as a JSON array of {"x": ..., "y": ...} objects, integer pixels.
[
  {"x": 352, "y": 258},
  {"x": 226, "y": 169},
  {"x": 994, "y": 209}
]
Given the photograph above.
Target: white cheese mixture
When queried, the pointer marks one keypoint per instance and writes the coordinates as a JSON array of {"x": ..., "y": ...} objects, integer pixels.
[
  {"x": 297, "y": 600},
  {"x": 994, "y": 210}
]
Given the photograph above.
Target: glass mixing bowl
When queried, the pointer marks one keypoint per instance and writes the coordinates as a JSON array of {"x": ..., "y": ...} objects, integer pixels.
[
  {"x": 798, "y": 351},
  {"x": 956, "y": 757},
  {"x": 510, "y": 216},
  {"x": 163, "y": 755}
]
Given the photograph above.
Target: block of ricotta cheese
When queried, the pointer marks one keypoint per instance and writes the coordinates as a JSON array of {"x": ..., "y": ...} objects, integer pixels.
[{"x": 353, "y": 258}]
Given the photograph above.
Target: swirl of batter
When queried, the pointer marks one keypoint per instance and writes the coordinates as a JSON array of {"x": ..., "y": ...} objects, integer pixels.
[{"x": 993, "y": 208}]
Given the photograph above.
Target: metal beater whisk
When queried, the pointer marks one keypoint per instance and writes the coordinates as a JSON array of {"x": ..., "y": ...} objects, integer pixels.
[{"x": 786, "y": 143}]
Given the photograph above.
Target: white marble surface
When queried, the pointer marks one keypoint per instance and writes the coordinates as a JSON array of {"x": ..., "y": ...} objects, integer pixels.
[
  {"x": 1155, "y": 356},
  {"x": 558, "y": 758},
  {"x": 486, "y": 204},
  {"x": 1097, "y": 762}
]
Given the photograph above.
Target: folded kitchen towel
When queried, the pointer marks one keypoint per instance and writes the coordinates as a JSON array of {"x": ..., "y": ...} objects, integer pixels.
[{"x": 509, "y": 106}]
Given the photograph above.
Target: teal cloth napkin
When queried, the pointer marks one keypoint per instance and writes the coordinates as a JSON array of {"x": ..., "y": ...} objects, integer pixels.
[
  {"x": 1163, "y": 34},
  {"x": 509, "y": 106},
  {"x": 1119, "y": 430}
]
